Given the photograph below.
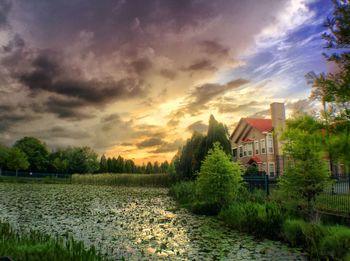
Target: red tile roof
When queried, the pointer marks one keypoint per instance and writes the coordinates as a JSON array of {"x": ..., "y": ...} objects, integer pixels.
[{"x": 260, "y": 124}]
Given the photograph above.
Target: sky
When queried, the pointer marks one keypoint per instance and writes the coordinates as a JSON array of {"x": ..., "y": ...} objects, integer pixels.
[{"x": 136, "y": 78}]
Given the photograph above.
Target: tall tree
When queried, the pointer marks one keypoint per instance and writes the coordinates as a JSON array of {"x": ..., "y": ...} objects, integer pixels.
[
  {"x": 36, "y": 152},
  {"x": 3, "y": 157},
  {"x": 82, "y": 160},
  {"x": 17, "y": 160},
  {"x": 103, "y": 164},
  {"x": 217, "y": 133},
  {"x": 306, "y": 173},
  {"x": 149, "y": 168}
]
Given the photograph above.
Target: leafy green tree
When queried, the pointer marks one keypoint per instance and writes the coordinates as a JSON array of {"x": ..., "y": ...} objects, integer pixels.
[
  {"x": 219, "y": 178},
  {"x": 156, "y": 167},
  {"x": 36, "y": 152},
  {"x": 129, "y": 166},
  {"x": 17, "y": 160},
  {"x": 82, "y": 160},
  {"x": 4, "y": 151},
  {"x": 120, "y": 165},
  {"x": 306, "y": 174},
  {"x": 164, "y": 166}
]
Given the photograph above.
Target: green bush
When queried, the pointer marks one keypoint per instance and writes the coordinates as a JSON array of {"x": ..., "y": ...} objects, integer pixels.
[
  {"x": 336, "y": 244},
  {"x": 292, "y": 231},
  {"x": 219, "y": 179},
  {"x": 33, "y": 246},
  {"x": 183, "y": 192},
  {"x": 262, "y": 220},
  {"x": 256, "y": 195}
]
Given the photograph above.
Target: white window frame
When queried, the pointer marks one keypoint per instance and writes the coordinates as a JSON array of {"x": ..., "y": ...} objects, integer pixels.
[
  {"x": 256, "y": 147},
  {"x": 263, "y": 146},
  {"x": 245, "y": 150},
  {"x": 240, "y": 151},
  {"x": 250, "y": 149},
  {"x": 269, "y": 138},
  {"x": 274, "y": 169}
]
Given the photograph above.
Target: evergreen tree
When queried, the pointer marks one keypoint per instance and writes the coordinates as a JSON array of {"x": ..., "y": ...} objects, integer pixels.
[
  {"x": 217, "y": 133},
  {"x": 149, "y": 168},
  {"x": 4, "y": 151},
  {"x": 120, "y": 165},
  {"x": 156, "y": 168},
  {"x": 103, "y": 164}
]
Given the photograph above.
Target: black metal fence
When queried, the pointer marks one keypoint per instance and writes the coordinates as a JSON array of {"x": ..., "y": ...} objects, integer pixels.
[
  {"x": 23, "y": 174},
  {"x": 336, "y": 198},
  {"x": 333, "y": 200}
]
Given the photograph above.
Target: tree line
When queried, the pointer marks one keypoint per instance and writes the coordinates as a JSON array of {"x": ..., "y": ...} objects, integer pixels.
[
  {"x": 31, "y": 154},
  {"x": 189, "y": 158}
]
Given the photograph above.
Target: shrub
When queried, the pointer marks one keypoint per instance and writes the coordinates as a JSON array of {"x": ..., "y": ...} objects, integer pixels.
[
  {"x": 336, "y": 244},
  {"x": 262, "y": 220},
  {"x": 303, "y": 234},
  {"x": 183, "y": 192},
  {"x": 219, "y": 179},
  {"x": 256, "y": 195}
]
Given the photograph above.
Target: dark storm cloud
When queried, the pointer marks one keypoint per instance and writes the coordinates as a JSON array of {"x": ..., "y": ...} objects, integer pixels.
[
  {"x": 198, "y": 126},
  {"x": 213, "y": 48},
  {"x": 203, "y": 94},
  {"x": 151, "y": 142},
  {"x": 141, "y": 65},
  {"x": 199, "y": 98},
  {"x": 48, "y": 74},
  {"x": 201, "y": 65},
  {"x": 166, "y": 147},
  {"x": 232, "y": 108},
  {"x": 9, "y": 119},
  {"x": 5, "y": 7},
  {"x": 169, "y": 74}
]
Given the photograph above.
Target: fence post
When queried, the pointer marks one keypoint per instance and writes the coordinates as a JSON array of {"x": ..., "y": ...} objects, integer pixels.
[{"x": 267, "y": 185}]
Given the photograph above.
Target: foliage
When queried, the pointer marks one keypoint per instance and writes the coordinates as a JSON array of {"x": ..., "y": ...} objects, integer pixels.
[
  {"x": 17, "y": 160},
  {"x": 326, "y": 242},
  {"x": 260, "y": 219},
  {"x": 217, "y": 133},
  {"x": 38, "y": 246},
  {"x": 252, "y": 171},
  {"x": 142, "y": 180},
  {"x": 183, "y": 192},
  {"x": 306, "y": 173},
  {"x": 189, "y": 159},
  {"x": 219, "y": 178},
  {"x": 336, "y": 244},
  {"x": 36, "y": 152}
]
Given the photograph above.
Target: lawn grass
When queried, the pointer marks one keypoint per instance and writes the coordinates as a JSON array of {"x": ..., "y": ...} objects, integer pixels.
[
  {"x": 33, "y": 246},
  {"x": 129, "y": 180}
]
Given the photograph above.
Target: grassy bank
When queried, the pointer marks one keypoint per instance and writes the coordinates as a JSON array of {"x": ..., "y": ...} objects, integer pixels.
[
  {"x": 21, "y": 245},
  {"x": 129, "y": 180}
]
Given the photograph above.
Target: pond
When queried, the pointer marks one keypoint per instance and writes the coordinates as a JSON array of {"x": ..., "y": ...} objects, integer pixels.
[{"x": 137, "y": 223}]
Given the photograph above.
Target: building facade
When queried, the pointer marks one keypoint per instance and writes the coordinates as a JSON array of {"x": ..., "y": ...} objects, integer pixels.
[{"x": 256, "y": 141}]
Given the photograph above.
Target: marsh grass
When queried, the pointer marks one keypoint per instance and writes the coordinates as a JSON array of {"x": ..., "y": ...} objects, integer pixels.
[
  {"x": 44, "y": 180},
  {"x": 128, "y": 180},
  {"x": 33, "y": 245}
]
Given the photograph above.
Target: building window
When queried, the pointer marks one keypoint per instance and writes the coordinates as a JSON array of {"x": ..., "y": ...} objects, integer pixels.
[
  {"x": 271, "y": 169},
  {"x": 256, "y": 147},
  {"x": 250, "y": 149},
  {"x": 245, "y": 150},
  {"x": 262, "y": 145},
  {"x": 234, "y": 152},
  {"x": 240, "y": 151},
  {"x": 269, "y": 143},
  {"x": 264, "y": 167}
]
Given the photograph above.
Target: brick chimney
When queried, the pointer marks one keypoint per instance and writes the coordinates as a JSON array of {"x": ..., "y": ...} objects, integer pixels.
[{"x": 278, "y": 117}]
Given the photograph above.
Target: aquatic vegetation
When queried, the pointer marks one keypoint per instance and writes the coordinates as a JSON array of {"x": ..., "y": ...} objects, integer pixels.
[{"x": 135, "y": 223}]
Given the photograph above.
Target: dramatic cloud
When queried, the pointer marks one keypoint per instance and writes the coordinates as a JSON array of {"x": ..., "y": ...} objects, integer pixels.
[
  {"x": 136, "y": 77},
  {"x": 198, "y": 126}
]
